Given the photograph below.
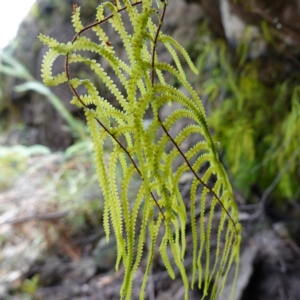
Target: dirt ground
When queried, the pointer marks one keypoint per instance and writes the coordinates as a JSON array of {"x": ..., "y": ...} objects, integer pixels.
[{"x": 43, "y": 256}]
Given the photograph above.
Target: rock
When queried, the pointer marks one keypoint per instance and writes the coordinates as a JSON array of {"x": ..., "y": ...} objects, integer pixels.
[
  {"x": 238, "y": 32},
  {"x": 245, "y": 273},
  {"x": 105, "y": 253},
  {"x": 234, "y": 27},
  {"x": 81, "y": 271}
]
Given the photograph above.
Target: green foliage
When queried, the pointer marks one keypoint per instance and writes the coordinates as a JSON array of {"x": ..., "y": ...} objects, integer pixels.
[
  {"x": 152, "y": 153},
  {"x": 13, "y": 161},
  {"x": 30, "y": 286},
  {"x": 257, "y": 124}
]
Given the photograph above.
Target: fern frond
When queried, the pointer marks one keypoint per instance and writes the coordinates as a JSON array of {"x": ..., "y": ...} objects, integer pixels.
[
  {"x": 155, "y": 153},
  {"x": 179, "y": 263},
  {"x": 153, "y": 229},
  {"x": 99, "y": 31},
  {"x": 49, "y": 41},
  {"x": 99, "y": 71},
  {"x": 164, "y": 255},
  {"x": 77, "y": 24},
  {"x": 168, "y": 39},
  {"x": 46, "y": 70},
  {"x": 128, "y": 224},
  {"x": 176, "y": 60},
  {"x": 115, "y": 206},
  {"x": 100, "y": 167}
]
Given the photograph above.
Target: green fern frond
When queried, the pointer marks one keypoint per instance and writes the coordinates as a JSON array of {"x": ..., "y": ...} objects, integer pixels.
[
  {"x": 100, "y": 166},
  {"x": 155, "y": 153},
  {"x": 49, "y": 41},
  {"x": 77, "y": 24},
  {"x": 168, "y": 39},
  {"x": 46, "y": 70},
  {"x": 153, "y": 229}
]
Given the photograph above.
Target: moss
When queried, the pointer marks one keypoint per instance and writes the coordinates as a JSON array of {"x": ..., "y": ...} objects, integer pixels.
[{"x": 253, "y": 108}]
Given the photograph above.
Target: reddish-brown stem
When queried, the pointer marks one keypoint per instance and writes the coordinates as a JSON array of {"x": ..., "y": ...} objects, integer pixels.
[
  {"x": 85, "y": 106},
  {"x": 155, "y": 43},
  {"x": 166, "y": 131},
  {"x": 100, "y": 22}
]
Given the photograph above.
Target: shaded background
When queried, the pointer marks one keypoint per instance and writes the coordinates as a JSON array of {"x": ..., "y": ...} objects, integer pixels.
[{"x": 247, "y": 53}]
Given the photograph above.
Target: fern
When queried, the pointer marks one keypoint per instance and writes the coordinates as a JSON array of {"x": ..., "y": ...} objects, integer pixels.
[{"x": 144, "y": 151}]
